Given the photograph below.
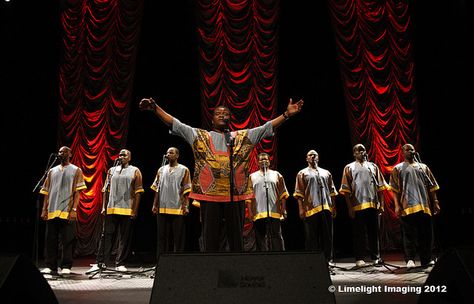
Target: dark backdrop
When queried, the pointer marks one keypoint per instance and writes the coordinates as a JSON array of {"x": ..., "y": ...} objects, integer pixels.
[{"x": 167, "y": 69}]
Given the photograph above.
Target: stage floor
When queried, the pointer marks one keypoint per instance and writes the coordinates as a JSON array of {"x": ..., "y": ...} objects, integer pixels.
[{"x": 370, "y": 284}]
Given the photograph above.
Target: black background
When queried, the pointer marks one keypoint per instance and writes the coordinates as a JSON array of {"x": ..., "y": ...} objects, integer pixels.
[{"x": 167, "y": 69}]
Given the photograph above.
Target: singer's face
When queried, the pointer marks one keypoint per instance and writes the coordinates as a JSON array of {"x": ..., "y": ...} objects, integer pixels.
[
  {"x": 359, "y": 152},
  {"x": 263, "y": 162},
  {"x": 64, "y": 153},
  {"x": 312, "y": 157},
  {"x": 408, "y": 152},
  {"x": 124, "y": 156},
  {"x": 171, "y": 154},
  {"x": 221, "y": 118}
]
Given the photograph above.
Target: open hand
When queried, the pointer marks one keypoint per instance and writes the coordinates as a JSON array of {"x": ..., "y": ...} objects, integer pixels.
[{"x": 294, "y": 108}]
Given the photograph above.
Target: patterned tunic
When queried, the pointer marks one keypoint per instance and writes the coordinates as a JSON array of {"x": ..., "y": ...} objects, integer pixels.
[
  {"x": 211, "y": 180},
  {"x": 315, "y": 187},
  {"x": 60, "y": 186},
  {"x": 172, "y": 183}
]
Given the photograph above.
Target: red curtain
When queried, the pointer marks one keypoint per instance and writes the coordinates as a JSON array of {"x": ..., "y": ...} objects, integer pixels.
[
  {"x": 238, "y": 63},
  {"x": 377, "y": 69},
  {"x": 99, "y": 43}
]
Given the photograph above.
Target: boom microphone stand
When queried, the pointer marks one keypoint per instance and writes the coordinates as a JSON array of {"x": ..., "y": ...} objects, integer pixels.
[
  {"x": 428, "y": 184},
  {"x": 160, "y": 183},
  {"x": 375, "y": 185},
  {"x": 326, "y": 223},
  {"x": 51, "y": 161},
  {"x": 103, "y": 271}
]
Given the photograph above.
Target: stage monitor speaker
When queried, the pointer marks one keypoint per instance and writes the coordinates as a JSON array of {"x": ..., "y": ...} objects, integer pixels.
[
  {"x": 242, "y": 278},
  {"x": 452, "y": 278},
  {"x": 21, "y": 282}
]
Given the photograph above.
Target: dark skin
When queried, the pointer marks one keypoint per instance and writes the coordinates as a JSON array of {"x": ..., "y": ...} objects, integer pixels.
[
  {"x": 124, "y": 160},
  {"x": 408, "y": 152},
  {"x": 221, "y": 116},
  {"x": 312, "y": 158},
  {"x": 65, "y": 159},
  {"x": 264, "y": 164},
  {"x": 360, "y": 154},
  {"x": 172, "y": 154}
]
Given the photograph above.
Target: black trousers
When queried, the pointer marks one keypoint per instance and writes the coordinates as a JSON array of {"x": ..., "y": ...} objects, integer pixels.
[
  {"x": 222, "y": 221},
  {"x": 417, "y": 232},
  {"x": 59, "y": 231},
  {"x": 366, "y": 232},
  {"x": 171, "y": 233},
  {"x": 118, "y": 229},
  {"x": 318, "y": 233},
  {"x": 268, "y": 234}
]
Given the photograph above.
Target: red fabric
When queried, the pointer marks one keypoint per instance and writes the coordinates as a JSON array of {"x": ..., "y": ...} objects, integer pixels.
[
  {"x": 377, "y": 69},
  {"x": 238, "y": 63},
  {"x": 99, "y": 42}
]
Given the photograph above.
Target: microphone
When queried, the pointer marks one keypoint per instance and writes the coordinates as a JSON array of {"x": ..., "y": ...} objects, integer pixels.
[
  {"x": 228, "y": 138},
  {"x": 55, "y": 155},
  {"x": 416, "y": 156},
  {"x": 366, "y": 157},
  {"x": 163, "y": 160}
]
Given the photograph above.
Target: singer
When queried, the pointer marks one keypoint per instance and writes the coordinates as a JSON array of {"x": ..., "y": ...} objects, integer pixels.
[
  {"x": 268, "y": 207},
  {"x": 122, "y": 192},
  {"x": 172, "y": 185},
  {"x": 362, "y": 185},
  {"x": 61, "y": 198},
  {"x": 316, "y": 193},
  {"x": 211, "y": 181},
  {"x": 414, "y": 192}
]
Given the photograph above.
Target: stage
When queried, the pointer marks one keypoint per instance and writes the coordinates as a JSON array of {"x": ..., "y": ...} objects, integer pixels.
[{"x": 364, "y": 285}]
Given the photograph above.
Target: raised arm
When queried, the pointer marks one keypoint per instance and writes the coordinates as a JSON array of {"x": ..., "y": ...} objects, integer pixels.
[
  {"x": 150, "y": 105},
  {"x": 291, "y": 109}
]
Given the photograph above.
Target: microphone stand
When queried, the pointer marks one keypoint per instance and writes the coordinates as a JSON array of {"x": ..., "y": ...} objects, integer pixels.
[
  {"x": 428, "y": 184},
  {"x": 268, "y": 229},
  {"x": 426, "y": 179},
  {"x": 102, "y": 266},
  {"x": 379, "y": 218},
  {"x": 163, "y": 163},
  {"x": 49, "y": 165},
  {"x": 230, "y": 144},
  {"x": 323, "y": 214}
]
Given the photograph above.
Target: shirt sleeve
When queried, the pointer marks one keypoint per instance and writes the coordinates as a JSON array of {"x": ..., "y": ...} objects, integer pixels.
[
  {"x": 258, "y": 133},
  {"x": 188, "y": 133},
  {"x": 138, "y": 182}
]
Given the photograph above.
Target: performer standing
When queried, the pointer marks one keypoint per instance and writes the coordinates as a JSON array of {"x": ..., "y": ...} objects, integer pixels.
[
  {"x": 221, "y": 170},
  {"x": 316, "y": 194},
  {"x": 61, "y": 198},
  {"x": 122, "y": 193},
  {"x": 362, "y": 185},
  {"x": 172, "y": 186},
  {"x": 414, "y": 192},
  {"x": 268, "y": 207}
]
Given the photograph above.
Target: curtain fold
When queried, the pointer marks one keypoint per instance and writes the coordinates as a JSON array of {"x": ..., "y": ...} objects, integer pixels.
[
  {"x": 375, "y": 48},
  {"x": 238, "y": 47},
  {"x": 97, "y": 67}
]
